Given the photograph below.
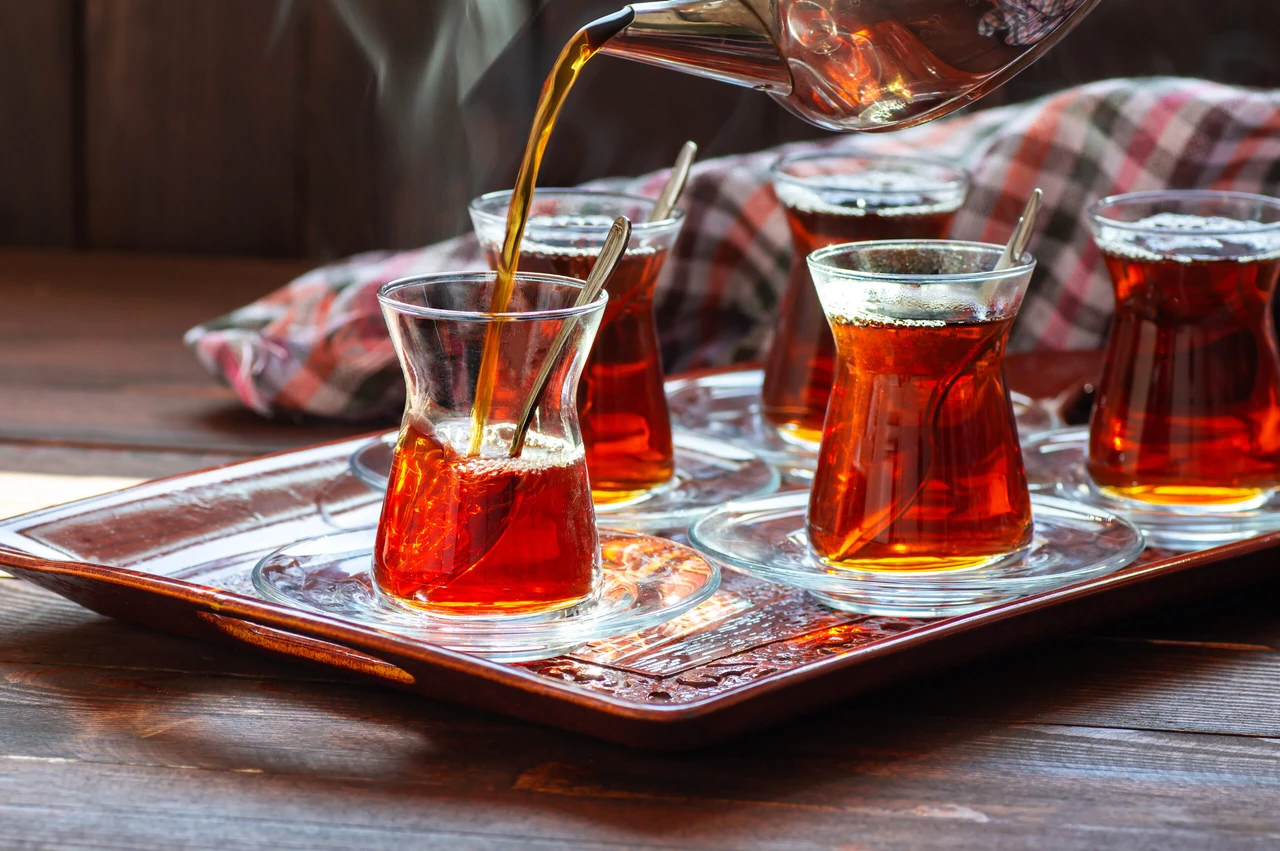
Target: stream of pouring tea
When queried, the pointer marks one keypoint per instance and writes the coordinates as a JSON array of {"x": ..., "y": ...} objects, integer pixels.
[{"x": 585, "y": 44}]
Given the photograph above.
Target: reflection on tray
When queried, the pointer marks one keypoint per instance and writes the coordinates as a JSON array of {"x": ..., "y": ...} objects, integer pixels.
[{"x": 748, "y": 631}]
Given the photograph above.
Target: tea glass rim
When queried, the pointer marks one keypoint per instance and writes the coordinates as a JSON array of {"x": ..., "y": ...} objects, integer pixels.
[
  {"x": 1024, "y": 264},
  {"x": 671, "y": 222},
  {"x": 1098, "y": 208},
  {"x": 960, "y": 181},
  {"x": 386, "y": 299}
]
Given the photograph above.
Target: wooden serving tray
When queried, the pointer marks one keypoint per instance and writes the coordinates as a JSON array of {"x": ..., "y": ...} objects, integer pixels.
[{"x": 175, "y": 554}]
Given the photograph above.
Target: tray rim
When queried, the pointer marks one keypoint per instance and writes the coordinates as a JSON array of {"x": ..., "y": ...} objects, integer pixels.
[
  {"x": 647, "y": 725},
  {"x": 655, "y": 725}
]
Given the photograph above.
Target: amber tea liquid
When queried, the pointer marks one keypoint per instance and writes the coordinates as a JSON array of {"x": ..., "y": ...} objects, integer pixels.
[
  {"x": 1188, "y": 410},
  {"x": 443, "y": 539},
  {"x": 444, "y": 542},
  {"x": 584, "y": 44},
  {"x": 622, "y": 407},
  {"x": 801, "y": 361},
  {"x": 920, "y": 467}
]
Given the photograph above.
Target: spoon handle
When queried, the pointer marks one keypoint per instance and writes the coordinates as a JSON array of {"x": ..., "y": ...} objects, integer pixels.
[
  {"x": 615, "y": 244},
  {"x": 1017, "y": 244},
  {"x": 675, "y": 183}
]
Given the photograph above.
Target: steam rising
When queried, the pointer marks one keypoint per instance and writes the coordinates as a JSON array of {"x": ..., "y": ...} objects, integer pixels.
[{"x": 426, "y": 56}]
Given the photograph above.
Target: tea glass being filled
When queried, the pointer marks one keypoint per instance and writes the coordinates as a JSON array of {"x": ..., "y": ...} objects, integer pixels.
[
  {"x": 830, "y": 199},
  {"x": 509, "y": 529},
  {"x": 1188, "y": 409},
  {"x": 622, "y": 406},
  {"x": 920, "y": 467}
]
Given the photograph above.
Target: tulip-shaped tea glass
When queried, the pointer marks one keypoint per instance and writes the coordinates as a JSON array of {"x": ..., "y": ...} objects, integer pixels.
[
  {"x": 509, "y": 529},
  {"x": 830, "y": 199},
  {"x": 920, "y": 467},
  {"x": 1188, "y": 409},
  {"x": 495, "y": 553},
  {"x": 642, "y": 477},
  {"x": 1185, "y": 434},
  {"x": 919, "y": 503},
  {"x": 621, "y": 405}
]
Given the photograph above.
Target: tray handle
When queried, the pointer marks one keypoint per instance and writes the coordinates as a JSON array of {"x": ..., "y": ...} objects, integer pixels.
[
  {"x": 168, "y": 604},
  {"x": 305, "y": 647}
]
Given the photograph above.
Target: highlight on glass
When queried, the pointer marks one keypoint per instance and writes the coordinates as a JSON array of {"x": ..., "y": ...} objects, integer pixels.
[
  {"x": 920, "y": 467},
  {"x": 510, "y": 529},
  {"x": 1188, "y": 409},
  {"x": 626, "y": 427},
  {"x": 833, "y": 198}
]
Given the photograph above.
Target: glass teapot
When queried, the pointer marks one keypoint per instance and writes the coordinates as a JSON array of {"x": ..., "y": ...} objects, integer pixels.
[{"x": 851, "y": 64}]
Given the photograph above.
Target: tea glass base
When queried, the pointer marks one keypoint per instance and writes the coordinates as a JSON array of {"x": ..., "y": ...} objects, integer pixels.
[
  {"x": 1055, "y": 463},
  {"x": 766, "y": 538},
  {"x": 708, "y": 474},
  {"x": 644, "y": 582},
  {"x": 726, "y": 406}
]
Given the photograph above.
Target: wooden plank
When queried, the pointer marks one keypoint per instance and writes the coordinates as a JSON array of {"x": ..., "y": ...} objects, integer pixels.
[
  {"x": 72, "y": 293},
  {"x": 1167, "y": 686},
  {"x": 91, "y": 354},
  {"x": 37, "y": 105},
  {"x": 191, "y": 122},
  {"x": 231, "y": 722},
  {"x": 340, "y": 140},
  {"x": 40, "y": 628},
  {"x": 164, "y": 417},
  {"x": 218, "y": 764},
  {"x": 426, "y": 160},
  {"x": 1242, "y": 620},
  {"x": 23, "y": 492},
  {"x": 23, "y": 456}
]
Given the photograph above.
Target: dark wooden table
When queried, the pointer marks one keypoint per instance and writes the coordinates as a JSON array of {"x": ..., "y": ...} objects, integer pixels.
[{"x": 1157, "y": 733}]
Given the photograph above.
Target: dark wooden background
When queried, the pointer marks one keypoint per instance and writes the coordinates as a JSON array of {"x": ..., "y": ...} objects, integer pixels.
[{"x": 259, "y": 127}]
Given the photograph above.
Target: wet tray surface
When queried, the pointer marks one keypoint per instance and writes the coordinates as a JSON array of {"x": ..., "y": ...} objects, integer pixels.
[{"x": 177, "y": 554}]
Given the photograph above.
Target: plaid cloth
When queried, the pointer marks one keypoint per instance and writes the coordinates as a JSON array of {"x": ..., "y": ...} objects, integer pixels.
[{"x": 319, "y": 347}]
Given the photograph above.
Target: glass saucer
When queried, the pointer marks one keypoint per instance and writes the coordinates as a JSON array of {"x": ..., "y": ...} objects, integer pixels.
[
  {"x": 709, "y": 473},
  {"x": 1055, "y": 463},
  {"x": 766, "y": 538},
  {"x": 726, "y": 406},
  {"x": 645, "y": 582}
]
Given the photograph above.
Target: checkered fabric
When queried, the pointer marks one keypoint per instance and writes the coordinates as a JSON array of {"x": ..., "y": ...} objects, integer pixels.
[{"x": 318, "y": 346}]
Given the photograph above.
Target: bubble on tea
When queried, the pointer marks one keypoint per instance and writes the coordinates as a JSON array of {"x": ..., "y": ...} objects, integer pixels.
[
  {"x": 556, "y": 235},
  {"x": 872, "y": 192},
  {"x": 1189, "y": 239},
  {"x": 882, "y": 320},
  {"x": 917, "y": 293},
  {"x": 541, "y": 451}
]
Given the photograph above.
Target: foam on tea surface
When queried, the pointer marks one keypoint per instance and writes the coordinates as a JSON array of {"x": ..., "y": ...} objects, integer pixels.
[
  {"x": 926, "y": 283},
  {"x": 540, "y": 450},
  {"x": 558, "y": 236},
  {"x": 873, "y": 192},
  {"x": 625, "y": 425},
  {"x": 1189, "y": 239}
]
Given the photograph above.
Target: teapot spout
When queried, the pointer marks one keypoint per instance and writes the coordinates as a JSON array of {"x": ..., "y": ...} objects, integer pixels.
[{"x": 727, "y": 40}]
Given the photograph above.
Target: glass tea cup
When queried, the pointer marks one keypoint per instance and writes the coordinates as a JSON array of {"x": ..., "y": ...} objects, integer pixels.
[
  {"x": 920, "y": 467},
  {"x": 830, "y": 199},
  {"x": 621, "y": 401},
  {"x": 1188, "y": 409},
  {"x": 488, "y": 534}
]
